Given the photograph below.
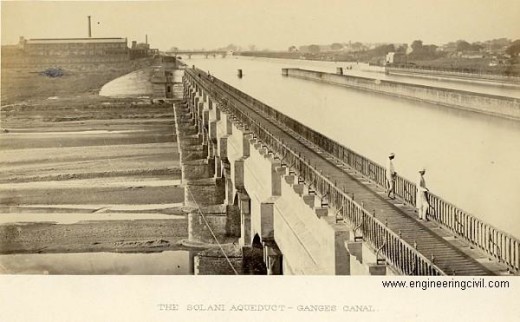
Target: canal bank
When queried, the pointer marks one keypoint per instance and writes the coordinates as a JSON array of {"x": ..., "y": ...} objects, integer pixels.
[
  {"x": 500, "y": 106},
  {"x": 503, "y": 80}
]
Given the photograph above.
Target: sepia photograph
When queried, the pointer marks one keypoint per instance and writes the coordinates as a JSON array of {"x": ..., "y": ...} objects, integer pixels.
[{"x": 364, "y": 152}]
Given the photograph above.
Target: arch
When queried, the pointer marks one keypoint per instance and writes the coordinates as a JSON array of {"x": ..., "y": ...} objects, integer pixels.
[
  {"x": 255, "y": 264},
  {"x": 257, "y": 242}
]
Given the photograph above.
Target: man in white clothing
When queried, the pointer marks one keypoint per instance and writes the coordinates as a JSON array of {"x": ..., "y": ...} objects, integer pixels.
[
  {"x": 390, "y": 176},
  {"x": 421, "y": 200}
]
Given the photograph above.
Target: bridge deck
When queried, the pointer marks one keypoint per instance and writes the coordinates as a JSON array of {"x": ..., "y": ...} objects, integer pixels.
[{"x": 430, "y": 239}]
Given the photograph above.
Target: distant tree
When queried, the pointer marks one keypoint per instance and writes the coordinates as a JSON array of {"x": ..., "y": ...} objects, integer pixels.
[
  {"x": 514, "y": 49},
  {"x": 383, "y": 50},
  {"x": 417, "y": 45},
  {"x": 357, "y": 46},
  {"x": 336, "y": 46},
  {"x": 252, "y": 48},
  {"x": 292, "y": 49},
  {"x": 429, "y": 49},
  {"x": 314, "y": 48},
  {"x": 174, "y": 49},
  {"x": 476, "y": 46},
  {"x": 402, "y": 48},
  {"x": 497, "y": 44},
  {"x": 463, "y": 45},
  {"x": 421, "y": 51},
  {"x": 304, "y": 49}
]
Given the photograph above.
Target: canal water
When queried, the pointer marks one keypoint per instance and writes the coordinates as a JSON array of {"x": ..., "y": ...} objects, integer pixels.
[
  {"x": 472, "y": 160},
  {"x": 164, "y": 263}
]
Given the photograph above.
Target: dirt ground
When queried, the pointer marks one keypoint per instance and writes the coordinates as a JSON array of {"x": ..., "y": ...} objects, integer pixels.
[
  {"x": 65, "y": 151},
  {"x": 26, "y": 83},
  {"x": 94, "y": 236}
]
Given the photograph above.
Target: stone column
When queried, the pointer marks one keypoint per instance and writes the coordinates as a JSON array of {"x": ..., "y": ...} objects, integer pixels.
[
  {"x": 239, "y": 174},
  {"x": 245, "y": 220},
  {"x": 218, "y": 167},
  {"x": 267, "y": 218},
  {"x": 342, "y": 256},
  {"x": 223, "y": 147},
  {"x": 276, "y": 177}
]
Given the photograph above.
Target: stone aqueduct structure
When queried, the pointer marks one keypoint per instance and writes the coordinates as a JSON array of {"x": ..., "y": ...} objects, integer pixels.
[
  {"x": 265, "y": 203},
  {"x": 255, "y": 171}
]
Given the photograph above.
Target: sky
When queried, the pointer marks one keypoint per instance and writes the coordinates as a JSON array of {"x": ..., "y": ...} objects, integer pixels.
[{"x": 273, "y": 24}]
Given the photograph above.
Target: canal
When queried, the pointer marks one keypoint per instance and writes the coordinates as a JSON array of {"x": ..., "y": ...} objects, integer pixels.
[{"x": 472, "y": 160}]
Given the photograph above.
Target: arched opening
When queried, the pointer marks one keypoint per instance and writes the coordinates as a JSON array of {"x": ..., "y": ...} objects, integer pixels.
[
  {"x": 235, "y": 200},
  {"x": 257, "y": 242},
  {"x": 254, "y": 261}
]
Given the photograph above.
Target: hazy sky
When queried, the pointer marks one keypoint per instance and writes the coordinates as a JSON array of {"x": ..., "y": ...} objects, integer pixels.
[{"x": 275, "y": 24}]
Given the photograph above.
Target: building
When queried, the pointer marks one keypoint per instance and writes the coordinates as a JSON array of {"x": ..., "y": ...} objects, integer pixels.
[
  {"x": 393, "y": 58},
  {"x": 141, "y": 50},
  {"x": 75, "y": 50},
  {"x": 471, "y": 54}
]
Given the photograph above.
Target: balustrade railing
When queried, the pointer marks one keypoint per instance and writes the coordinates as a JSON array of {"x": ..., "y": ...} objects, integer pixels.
[{"x": 494, "y": 242}]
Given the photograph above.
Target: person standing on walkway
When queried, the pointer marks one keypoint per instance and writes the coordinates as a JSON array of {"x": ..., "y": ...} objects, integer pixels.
[
  {"x": 421, "y": 200},
  {"x": 390, "y": 176}
]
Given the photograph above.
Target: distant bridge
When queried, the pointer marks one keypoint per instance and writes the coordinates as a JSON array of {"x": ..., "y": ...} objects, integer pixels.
[{"x": 206, "y": 53}]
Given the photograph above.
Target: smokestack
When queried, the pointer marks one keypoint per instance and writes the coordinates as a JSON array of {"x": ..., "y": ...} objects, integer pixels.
[
  {"x": 89, "y": 28},
  {"x": 146, "y": 39}
]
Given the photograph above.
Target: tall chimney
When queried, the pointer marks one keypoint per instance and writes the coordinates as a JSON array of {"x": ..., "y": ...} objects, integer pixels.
[
  {"x": 89, "y": 28},
  {"x": 146, "y": 39}
]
